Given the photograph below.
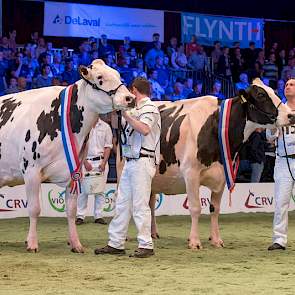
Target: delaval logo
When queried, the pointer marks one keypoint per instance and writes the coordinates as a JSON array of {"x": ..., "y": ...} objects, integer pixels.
[
  {"x": 69, "y": 20},
  {"x": 57, "y": 202},
  {"x": 12, "y": 204},
  {"x": 254, "y": 201}
]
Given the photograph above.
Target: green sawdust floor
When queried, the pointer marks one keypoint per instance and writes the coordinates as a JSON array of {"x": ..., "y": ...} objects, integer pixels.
[{"x": 244, "y": 266}]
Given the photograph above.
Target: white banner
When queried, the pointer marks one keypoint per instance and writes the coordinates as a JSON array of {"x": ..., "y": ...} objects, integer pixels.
[
  {"x": 83, "y": 20},
  {"x": 247, "y": 197}
]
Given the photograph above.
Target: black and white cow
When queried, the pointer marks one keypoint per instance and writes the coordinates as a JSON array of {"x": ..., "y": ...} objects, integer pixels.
[
  {"x": 190, "y": 152},
  {"x": 31, "y": 149}
]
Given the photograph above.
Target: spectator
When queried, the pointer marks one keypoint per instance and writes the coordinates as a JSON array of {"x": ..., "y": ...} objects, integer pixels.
[
  {"x": 281, "y": 90},
  {"x": 11, "y": 40},
  {"x": 20, "y": 69},
  {"x": 44, "y": 80},
  {"x": 34, "y": 38},
  {"x": 84, "y": 56},
  {"x": 105, "y": 48},
  {"x": 178, "y": 59},
  {"x": 155, "y": 38},
  {"x": 256, "y": 154},
  {"x": 289, "y": 70},
  {"x": 270, "y": 70},
  {"x": 157, "y": 92},
  {"x": 93, "y": 55},
  {"x": 12, "y": 88},
  {"x": 215, "y": 54},
  {"x": 223, "y": 66},
  {"x": 198, "y": 60},
  {"x": 237, "y": 64},
  {"x": 41, "y": 48},
  {"x": 281, "y": 61},
  {"x": 250, "y": 55},
  {"x": 45, "y": 59},
  {"x": 150, "y": 58},
  {"x": 70, "y": 75},
  {"x": 109, "y": 60},
  {"x": 139, "y": 70},
  {"x": 133, "y": 57},
  {"x": 56, "y": 81},
  {"x": 244, "y": 82},
  {"x": 22, "y": 84},
  {"x": 216, "y": 90},
  {"x": 57, "y": 65},
  {"x": 163, "y": 73},
  {"x": 178, "y": 92},
  {"x": 4, "y": 43},
  {"x": 172, "y": 46},
  {"x": 193, "y": 46},
  {"x": 188, "y": 87},
  {"x": 125, "y": 70},
  {"x": 265, "y": 81},
  {"x": 3, "y": 68},
  {"x": 197, "y": 90}
]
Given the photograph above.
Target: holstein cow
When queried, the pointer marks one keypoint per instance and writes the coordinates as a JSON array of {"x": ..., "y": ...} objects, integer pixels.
[
  {"x": 31, "y": 145},
  {"x": 190, "y": 150}
]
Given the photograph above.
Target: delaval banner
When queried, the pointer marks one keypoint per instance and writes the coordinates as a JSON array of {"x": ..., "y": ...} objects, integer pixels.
[
  {"x": 83, "y": 20},
  {"x": 246, "y": 197},
  {"x": 210, "y": 28}
]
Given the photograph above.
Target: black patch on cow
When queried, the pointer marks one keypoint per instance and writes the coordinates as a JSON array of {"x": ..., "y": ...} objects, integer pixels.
[
  {"x": 38, "y": 156},
  {"x": 162, "y": 106},
  {"x": 208, "y": 144},
  {"x": 172, "y": 122},
  {"x": 28, "y": 135},
  {"x": 23, "y": 171},
  {"x": 7, "y": 108},
  {"x": 34, "y": 146},
  {"x": 11, "y": 119},
  {"x": 26, "y": 163},
  {"x": 49, "y": 123},
  {"x": 211, "y": 208}
]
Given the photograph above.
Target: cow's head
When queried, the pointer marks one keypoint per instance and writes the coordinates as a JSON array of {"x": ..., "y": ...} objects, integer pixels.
[
  {"x": 264, "y": 107},
  {"x": 108, "y": 92}
]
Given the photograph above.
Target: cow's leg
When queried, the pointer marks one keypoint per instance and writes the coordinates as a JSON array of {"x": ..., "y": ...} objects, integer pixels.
[
  {"x": 154, "y": 229},
  {"x": 71, "y": 207},
  {"x": 32, "y": 184},
  {"x": 192, "y": 189},
  {"x": 215, "y": 210}
]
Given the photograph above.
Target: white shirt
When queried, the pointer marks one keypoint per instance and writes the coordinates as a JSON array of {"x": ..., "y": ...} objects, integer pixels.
[{"x": 100, "y": 137}]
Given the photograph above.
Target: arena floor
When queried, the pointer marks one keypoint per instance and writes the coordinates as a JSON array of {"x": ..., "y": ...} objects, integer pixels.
[{"x": 244, "y": 266}]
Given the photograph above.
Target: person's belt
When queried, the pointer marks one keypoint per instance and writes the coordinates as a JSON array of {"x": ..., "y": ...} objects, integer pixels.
[
  {"x": 95, "y": 158},
  {"x": 140, "y": 156},
  {"x": 289, "y": 156}
]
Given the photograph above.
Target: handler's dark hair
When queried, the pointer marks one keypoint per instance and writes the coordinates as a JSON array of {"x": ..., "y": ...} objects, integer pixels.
[{"x": 142, "y": 85}]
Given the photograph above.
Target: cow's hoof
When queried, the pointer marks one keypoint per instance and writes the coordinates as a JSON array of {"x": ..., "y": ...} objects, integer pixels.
[
  {"x": 33, "y": 250},
  {"x": 77, "y": 250},
  {"x": 217, "y": 243},
  {"x": 195, "y": 245},
  {"x": 32, "y": 246}
]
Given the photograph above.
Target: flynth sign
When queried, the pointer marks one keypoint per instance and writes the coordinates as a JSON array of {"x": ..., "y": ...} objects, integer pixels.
[{"x": 83, "y": 20}]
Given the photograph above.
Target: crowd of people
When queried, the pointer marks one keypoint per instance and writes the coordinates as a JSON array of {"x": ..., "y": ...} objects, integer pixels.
[{"x": 168, "y": 68}]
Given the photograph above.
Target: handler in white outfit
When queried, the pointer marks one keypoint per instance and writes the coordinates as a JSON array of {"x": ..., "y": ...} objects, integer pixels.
[
  {"x": 100, "y": 145},
  {"x": 284, "y": 173},
  {"x": 142, "y": 153}
]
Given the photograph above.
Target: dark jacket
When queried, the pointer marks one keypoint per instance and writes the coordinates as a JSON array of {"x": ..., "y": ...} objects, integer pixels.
[{"x": 256, "y": 147}]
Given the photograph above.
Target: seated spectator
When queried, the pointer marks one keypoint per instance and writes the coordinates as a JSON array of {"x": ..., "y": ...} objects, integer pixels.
[
  {"x": 237, "y": 64},
  {"x": 178, "y": 59},
  {"x": 250, "y": 55},
  {"x": 93, "y": 55},
  {"x": 45, "y": 59},
  {"x": 56, "y": 81},
  {"x": 84, "y": 56},
  {"x": 163, "y": 73},
  {"x": 105, "y": 48},
  {"x": 57, "y": 65},
  {"x": 243, "y": 84},
  {"x": 109, "y": 60},
  {"x": 3, "y": 68},
  {"x": 19, "y": 68},
  {"x": 151, "y": 55},
  {"x": 289, "y": 70},
  {"x": 281, "y": 61},
  {"x": 133, "y": 57},
  {"x": 125, "y": 70},
  {"x": 157, "y": 92},
  {"x": 178, "y": 92},
  {"x": 138, "y": 71},
  {"x": 198, "y": 60},
  {"x": 256, "y": 72},
  {"x": 216, "y": 90},
  {"x": 22, "y": 84},
  {"x": 281, "y": 90},
  {"x": 197, "y": 90},
  {"x": 44, "y": 80},
  {"x": 70, "y": 75},
  {"x": 4, "y": 43},
  {"x": 41, "y": 48},
  {"x": 11, "y": 40},
  {"x": 12, "y": 88},
  {"x": 188, "y": 87}
]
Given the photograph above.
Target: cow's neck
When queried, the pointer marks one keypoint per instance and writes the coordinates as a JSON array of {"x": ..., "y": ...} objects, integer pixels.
[
  {"x": 237, "y": 125},
  {"x": 89, "y": 116}
]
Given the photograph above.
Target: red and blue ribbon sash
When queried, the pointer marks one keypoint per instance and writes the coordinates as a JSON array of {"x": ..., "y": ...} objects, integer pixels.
[
  {"x": 230, "y": 165},
  {"x": 69, "y": 141}
]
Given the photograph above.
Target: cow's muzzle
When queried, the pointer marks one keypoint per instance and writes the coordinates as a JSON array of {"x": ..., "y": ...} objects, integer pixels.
[
  {"x": 130, "y": 101},
  {"x": 291, "y": 118}
]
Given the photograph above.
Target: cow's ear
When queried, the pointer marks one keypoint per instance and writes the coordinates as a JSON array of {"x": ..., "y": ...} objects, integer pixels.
[
  {"x": 243, "y": 94},
  {"x": 84, "y": 72},
  {"x": 99, "y": 62}
]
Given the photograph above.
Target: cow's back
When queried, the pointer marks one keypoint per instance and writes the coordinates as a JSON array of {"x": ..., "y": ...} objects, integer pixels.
[{"x": 23, "y": 118}]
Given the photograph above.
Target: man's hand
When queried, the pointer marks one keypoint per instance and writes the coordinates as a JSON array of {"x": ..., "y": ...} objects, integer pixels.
[
  {"x": 87, "y": 165},
  {"x": 102, "y": 166}
]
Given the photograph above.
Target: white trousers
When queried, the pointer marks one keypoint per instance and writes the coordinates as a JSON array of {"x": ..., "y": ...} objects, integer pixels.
[
  {"x": 133, "y": 200},
  {"x": 283, "y": 192},
  {"x": 98, "y": 199}
]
